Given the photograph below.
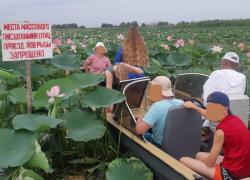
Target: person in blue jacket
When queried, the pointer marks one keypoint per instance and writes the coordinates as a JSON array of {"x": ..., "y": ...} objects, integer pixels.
[{"x": 134, "y": 52}]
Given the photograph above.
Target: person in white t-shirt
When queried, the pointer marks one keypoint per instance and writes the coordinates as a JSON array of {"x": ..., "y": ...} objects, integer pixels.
[{"x": 227, "y": 81}]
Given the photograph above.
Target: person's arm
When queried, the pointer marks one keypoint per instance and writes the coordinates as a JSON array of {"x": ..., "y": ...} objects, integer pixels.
[
  {"x": 132, "y": 69},
  {"x": 109, "y": 83},
  {"x": 141, "y": 126},
  {"x": 144, "y": 123},
  {"x": 210, "y": 86},
  {"x": 118, "y": 56},
  {"x": 215, "y": 151},
  {"x": 244, "y": 86},
  {"x": 87, "y": 63},
  {"x": 190, "y": 105},
  {"x": 86, "y": 66}
]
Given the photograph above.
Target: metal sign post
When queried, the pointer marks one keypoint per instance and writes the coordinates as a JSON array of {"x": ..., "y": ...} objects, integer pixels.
[{"x": 26, "y": 41}]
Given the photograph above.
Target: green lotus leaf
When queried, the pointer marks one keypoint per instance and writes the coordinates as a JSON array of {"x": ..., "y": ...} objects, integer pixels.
[
  {"x": 101, "y": 97},
  {"x": 28, "y": 175},
  {"x": 132, "y": 169},
  {"x": 66, "y": 61},
  {"x": 17, "y": 147},
  {"x": 8, "y": 74},
  {"x": 203, "y": 47},
  {"x": 83, "y": 125},
  {"x": 112, "y": 47},
  {"x": 38, "y": 160},
  {"x": 33, "y": 122},
  {"x": 3, "y": 91},
  {"x": 18, "y": 95},
  {"x": 15, "y": 65},
  {"x": 36, "y": 71},
  {"x": 179, "y": 59},
  {"x": 87, "y": 79},
  {"x": 88, "y": 50}
]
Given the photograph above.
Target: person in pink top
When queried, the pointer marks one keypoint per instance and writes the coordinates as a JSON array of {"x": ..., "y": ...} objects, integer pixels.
[{"x": 97, "y": 62}]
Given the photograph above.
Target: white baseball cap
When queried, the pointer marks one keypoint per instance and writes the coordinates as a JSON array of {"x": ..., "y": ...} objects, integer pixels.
[
  {"x": 99, "y": 44},
  {"x": 229, "y": 55}
]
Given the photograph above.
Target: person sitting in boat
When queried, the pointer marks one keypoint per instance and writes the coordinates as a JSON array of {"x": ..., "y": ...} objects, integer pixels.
[
  {"x": 134, "y": 52},
  {"x": 226, "y": 80},
  {"x": 156, "y": 116},
  {"x": 97, "y": 62},
  {"x": 116, "y": 73},
  {"x": 231, "y": 134}
]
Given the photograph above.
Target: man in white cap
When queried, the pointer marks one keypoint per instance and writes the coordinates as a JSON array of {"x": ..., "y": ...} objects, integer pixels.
[
  {"x": 156, "y": 116},
  {"x": 227, "y": 81}
]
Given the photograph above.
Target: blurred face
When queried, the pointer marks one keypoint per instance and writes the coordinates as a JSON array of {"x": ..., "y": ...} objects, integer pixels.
[
  {"x": 100, "y": 50},
  {"x": 216, "y": 112}
]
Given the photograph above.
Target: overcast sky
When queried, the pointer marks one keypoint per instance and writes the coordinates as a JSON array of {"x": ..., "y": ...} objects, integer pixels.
[{"x": 92, "y": 13}]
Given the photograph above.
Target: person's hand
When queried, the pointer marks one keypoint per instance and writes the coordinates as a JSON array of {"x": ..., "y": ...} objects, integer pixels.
[
  {"x": 188, "y": 104},
  {"x": 125, "y": 64}
]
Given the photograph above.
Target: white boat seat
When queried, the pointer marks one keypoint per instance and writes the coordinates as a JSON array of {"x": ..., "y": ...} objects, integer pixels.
[{"x": 181, "y": 136}]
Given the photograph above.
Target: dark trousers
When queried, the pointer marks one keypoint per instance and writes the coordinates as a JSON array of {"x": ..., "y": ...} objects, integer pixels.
[{"x": 104, "y": 85}]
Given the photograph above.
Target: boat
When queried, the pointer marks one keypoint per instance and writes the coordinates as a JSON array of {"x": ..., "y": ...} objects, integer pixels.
[{"x": 164, "y": 163}]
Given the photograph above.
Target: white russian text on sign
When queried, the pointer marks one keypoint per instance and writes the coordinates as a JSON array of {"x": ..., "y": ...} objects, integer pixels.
[{"x": 26, "y": 41}]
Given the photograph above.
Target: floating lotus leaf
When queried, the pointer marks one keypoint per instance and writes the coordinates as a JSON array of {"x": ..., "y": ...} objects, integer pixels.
[{"x": 132, "y": 169}]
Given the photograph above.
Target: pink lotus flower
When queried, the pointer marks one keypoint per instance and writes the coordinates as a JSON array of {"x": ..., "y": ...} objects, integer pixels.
[
  {"x": 54, "y": 92},
  {"x": 234, "y": 43},
  {"x": 120, "y": 37},
  {"x": 241, "y": 45},
  {"x": 216, "y": 49},
  {"x": 248, "y": 54},
  {"x": 158, "y": 35},
  {"x": 169, "y": 38},
  {"x": 73, "y": 48},
  {"x": 166, "y": 47},
  {"x": 57, "y": 41},
  {"x": 191, "y": 42},
  {"x": 179, "y": 42},
  {"x": 83, "y": 45},
  {"x": 68, "y": 41}
]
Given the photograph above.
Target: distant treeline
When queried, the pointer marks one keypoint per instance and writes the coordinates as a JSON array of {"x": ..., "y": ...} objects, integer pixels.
[
  {"x": 182, "y": 24},
  {"x": 73, "y": 25},
  {"x": 215, "y": 23}
]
